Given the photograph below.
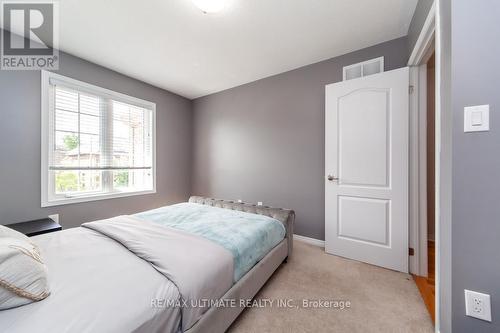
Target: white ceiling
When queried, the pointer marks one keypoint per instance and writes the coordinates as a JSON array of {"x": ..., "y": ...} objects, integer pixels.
[{"x": 173, "y": 45}]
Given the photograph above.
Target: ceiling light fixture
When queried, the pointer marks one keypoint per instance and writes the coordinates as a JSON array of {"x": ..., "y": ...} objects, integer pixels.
[{"x": 210, "y": 6}]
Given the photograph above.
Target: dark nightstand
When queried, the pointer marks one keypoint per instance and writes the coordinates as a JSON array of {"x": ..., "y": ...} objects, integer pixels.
[{"x": 35, "y": 227}]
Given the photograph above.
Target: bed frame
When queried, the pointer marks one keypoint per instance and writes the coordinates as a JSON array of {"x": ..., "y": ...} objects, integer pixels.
[{"x": 219, "y": 319}]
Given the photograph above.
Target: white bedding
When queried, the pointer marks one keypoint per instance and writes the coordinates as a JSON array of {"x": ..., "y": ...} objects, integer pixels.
[
  {"x": 115, "y": 275},
  {"x": 106, "y": 290},
  {"x": 201, "y": 270}
]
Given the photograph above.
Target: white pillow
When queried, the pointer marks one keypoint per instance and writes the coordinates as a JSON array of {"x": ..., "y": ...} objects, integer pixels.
[{"x": 23, "y": 275}]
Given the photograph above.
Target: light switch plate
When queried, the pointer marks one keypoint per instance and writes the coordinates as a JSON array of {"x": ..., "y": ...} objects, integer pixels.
[
  {"x": 477, "y": 305},
  {"x": 477, "y": 118}
]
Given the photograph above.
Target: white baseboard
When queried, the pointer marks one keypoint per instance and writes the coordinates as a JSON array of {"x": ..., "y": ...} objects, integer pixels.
[{"x": 308, "y": 240}]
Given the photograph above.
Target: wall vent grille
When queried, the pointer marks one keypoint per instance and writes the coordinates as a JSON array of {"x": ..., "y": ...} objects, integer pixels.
[{"x": 364, "y": 68}]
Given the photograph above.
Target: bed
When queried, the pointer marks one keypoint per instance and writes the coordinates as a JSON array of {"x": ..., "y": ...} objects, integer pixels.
[{"x": 188, "y": 267}]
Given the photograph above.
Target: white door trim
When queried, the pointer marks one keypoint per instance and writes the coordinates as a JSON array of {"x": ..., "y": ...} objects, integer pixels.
[
  {"x": 431, "y": 33},
  {"x": 424, "y": 41},
  {"x": 418, "y": 170},
  {"x": 418, "y": 138},
  {"x": 422, "y": 172}
]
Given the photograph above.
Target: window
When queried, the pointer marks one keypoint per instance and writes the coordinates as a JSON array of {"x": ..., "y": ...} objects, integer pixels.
[{"x": 96, "y": 143}]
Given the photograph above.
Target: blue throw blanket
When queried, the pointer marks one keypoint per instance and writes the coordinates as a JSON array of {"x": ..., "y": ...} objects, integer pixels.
[{"x": 249, "y": 237}]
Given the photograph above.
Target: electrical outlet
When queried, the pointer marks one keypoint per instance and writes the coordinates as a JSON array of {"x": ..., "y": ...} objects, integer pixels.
[
  {"x": 477, "y": 305},
  {"x": 54, "y": 217},
  {"x": 259, "y": 203}
]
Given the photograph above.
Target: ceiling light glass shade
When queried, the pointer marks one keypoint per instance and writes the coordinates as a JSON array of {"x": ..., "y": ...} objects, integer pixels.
[{"x": 210, "y": 6}]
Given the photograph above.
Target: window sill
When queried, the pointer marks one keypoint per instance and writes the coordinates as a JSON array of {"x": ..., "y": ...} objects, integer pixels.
[{"x": 97, "y": 197}]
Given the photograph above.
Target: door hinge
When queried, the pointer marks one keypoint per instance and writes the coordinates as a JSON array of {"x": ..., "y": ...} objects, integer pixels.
[
  {"x": 411, "y": 89},
  {"x": 411, "y": 251}
]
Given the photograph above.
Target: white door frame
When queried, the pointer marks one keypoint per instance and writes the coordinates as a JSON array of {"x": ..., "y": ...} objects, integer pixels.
[
  {"x": 418, "y": 170},
  {"x": 418, "y": 142},
  {"x": 429, "y": 35}
]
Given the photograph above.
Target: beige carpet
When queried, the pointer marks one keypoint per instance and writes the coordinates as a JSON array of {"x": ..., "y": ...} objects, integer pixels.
[{"x": 381, "y": 300}]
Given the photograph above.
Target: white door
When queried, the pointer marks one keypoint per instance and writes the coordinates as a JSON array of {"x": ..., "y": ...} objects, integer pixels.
[{"x": 366, "y": 187}]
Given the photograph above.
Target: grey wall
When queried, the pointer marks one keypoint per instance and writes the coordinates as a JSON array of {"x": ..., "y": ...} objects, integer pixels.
[
  {"x": 20, "y": 146},
  {"x": 417, "y": 22},
  {"x": 476, "y": 160},
  {"x": 264, "y": 141}
]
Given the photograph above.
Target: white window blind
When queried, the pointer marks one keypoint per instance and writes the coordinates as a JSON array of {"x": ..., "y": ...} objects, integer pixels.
[{"x": 100, "y": 144}]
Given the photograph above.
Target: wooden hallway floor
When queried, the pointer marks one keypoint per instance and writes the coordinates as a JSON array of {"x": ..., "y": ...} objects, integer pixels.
[{"x": 427, "y": 286}]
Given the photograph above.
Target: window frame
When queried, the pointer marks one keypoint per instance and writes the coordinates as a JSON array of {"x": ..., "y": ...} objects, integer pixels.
[{"x": 48, "y": 198}]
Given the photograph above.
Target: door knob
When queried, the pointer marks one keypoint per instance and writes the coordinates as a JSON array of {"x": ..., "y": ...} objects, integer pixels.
[{"x": 332, "y": 178}]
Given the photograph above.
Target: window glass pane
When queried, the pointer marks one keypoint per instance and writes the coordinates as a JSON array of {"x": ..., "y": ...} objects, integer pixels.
[
  {"x": 77, "y": 136},
  {"x": 89, "y": 154},
  {"x": 66, "y": 99},
  {"x": 89, "y": 105},
  {"x": 131, "y": 135},
  {"x": 121, "y": 179},
  {"x": 66, "y": 141},
  {"x": 66, "y": 181},
  {"x": 120, "y": 159},
  {"x": 90, "y": 181},
  {"x": 89, "y": 144},
  {"x": 132, "y": 180},
  {"x": 75, "y": 182},
  {"x": 66, "y": 149},
  {"x": 66, "y": 121},
  {"x": 89, "y": 124},
  {"x": 121, "y": 136},
  {"x": 142, "y": 179}
]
